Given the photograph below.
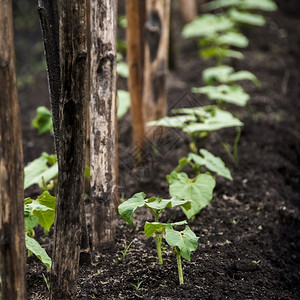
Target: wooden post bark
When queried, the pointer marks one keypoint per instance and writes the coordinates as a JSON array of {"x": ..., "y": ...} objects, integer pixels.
[
  {"x": 12, "y": 245},
  {"x": 157, "y": 28},
  {"x": 103, "y": 121},
  {"x": 188, "y": 9},
  {"x": 72, "y": 140},
  {"x": 135, "y": 12}
]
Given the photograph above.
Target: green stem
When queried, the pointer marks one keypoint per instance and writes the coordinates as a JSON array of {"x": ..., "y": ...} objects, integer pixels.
[
  {"x": 158, "y": 240},
  {"x": 179, "y": 265}
]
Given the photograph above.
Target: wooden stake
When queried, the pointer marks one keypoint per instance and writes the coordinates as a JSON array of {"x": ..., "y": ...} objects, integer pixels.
[
  {"x": 103, "y": 121},
  {"x": 12, "y": 245},
  {"x": 72, "y": 141},
  {"x": 135, "y": 11},
  {"x": 188, "y": 9}
]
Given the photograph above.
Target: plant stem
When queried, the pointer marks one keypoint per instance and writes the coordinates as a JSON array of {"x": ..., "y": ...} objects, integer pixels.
[
  {"x": 179, "y": 265},
  {"x": 158, "y": 239}
]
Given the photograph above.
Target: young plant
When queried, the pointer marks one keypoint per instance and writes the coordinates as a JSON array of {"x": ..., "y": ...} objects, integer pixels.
[
  {"x": 199, "y": 122},
  {"x": 40, "y": 211},
  {"x": 182, "y": 242},
  {"x": 156, "y": 206},
  {"x": 43, "y": 120}
]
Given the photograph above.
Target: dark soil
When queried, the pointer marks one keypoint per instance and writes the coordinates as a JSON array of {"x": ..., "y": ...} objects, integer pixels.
[{"x": 249, "y": 245}]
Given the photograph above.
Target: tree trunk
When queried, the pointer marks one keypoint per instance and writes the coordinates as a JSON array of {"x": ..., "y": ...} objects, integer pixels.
[
  {"x": 157, "y": 28},
  {"x": 72, "y": 142},
  {"x": 188, "y": 9},
  {"x": 12, "y": 244},
  {"x": 103, "y": 121},
  {"x": 135, "y": 12}
]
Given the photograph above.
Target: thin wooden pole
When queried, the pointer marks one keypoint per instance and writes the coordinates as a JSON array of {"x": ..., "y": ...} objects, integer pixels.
[
  {"x": 103, "y": 121},
  {"x": 135, "y": 24},
  {"x": 12, "y": 245},
  {"x": 72, "y": 142},
  {"x": 188, "y": 9}
]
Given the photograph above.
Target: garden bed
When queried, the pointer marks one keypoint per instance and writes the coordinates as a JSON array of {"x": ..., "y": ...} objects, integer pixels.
[{"x": 249, "y": 246}]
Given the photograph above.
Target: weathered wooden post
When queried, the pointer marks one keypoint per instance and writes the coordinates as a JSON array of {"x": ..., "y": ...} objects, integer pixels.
[
  {"x": 135, "y": 13},
  {"x": 12, "y": 244},
  {"x": 157, "y": 28},
  {"x": 188, "y": 9},
  {"x": 71, "y": 149},
  {"x": 103, "y": 121}
]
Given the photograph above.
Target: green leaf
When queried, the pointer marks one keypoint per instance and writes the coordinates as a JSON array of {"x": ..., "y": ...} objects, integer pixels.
[
  {"x": 207, "y": 25},
  {"x": 152, "y": 227},
  {"x": 33, "y": 246},
  {"x": 243, "y": 75},
  {"x": 234, "y": 94},
  {"x": 43, "y": 120},
  {"x": 221, "y": 119},
  {"x": 246, "y": 18},
  {"x": 211, "y": 162},
  {"x": 217, "y": 74},
  {"x": 226, "y": 74},
  {"x": 122, "y": 69},
  {"x": 176, "y": 121},
  {"x": 38, "y": 169},
  {"x": 220, "y": 52},
  {"x": 43, "y": 208},
  {"x": 198, "y": 190},
  {"x": 30, "y": 222},
  {"x": 186, "y": 241},
  {"x": 235, "y": 39},
  {"x": 128, "y": 207},
  {"x": 266, "y": 5},
  {"x": 123, "y": 103},
  {"x": 160, "y": 204}
]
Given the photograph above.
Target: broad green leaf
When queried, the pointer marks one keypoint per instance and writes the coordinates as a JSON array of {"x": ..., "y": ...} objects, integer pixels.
[
  {"x": 221, "y": 119},
  {"x": 211, "y": 162},
  {"x": 207, "y": 25},
  {"x": 128, "y": 207},
  {"x": 43, "y": 208},
  {"x": 43, "y": 120},
  {"x": 266, "y": 5},
  {"x": 38, "y": 169},
  {"x": 176, "y": 121},
  {"x": 246, "y": 18},
  {"x": 234, "y": 94},
  {"x": 200, "y": 112},
  {"x": 218, "y": 73},
  {"x": 198, "y": 190},
  {"x": 243, "y": 75},
  {"x": 226, "y": 74},
  {"x": 160, "y": 204},
  {"x": 123, "y": 103},
  {"x": 235, "y": 39},
  {"x": 122, "y": 69},
  {"x": 186, "y": 241},
  {"x": 30, "y": 222},
  {"x": 152, "y": 227},
  {"x": 220, "y": 52},
  {"x": 33, "y": 246}
]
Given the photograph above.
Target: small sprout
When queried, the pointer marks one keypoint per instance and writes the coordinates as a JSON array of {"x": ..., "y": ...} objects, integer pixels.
[
  {"x": 234, "y": 222},
  {"x": 256, "y": 262},
  {"x": 124, "y": 252},
  {"x": 259, "y": 227},
  {"x": 227, "y": 242},
  {"x": 138, "y": 285}
]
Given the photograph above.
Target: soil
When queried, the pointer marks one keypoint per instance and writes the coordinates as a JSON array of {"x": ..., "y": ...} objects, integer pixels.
[{"x": 249, "y": 246}]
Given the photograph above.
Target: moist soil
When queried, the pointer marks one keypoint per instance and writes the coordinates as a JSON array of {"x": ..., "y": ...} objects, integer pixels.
[{"x": 249, "y": 246}]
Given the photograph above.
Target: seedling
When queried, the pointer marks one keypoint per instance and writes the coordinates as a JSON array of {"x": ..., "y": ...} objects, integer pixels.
[
  {"x": 138, "y": 285},
  {"x": 40, "y": 211},
  {"x": 124, "y": 252},
  {"x": 43, "y": 120},
  {"x": 199, "y": 122},
  {"x": 156, "y": 206}
]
